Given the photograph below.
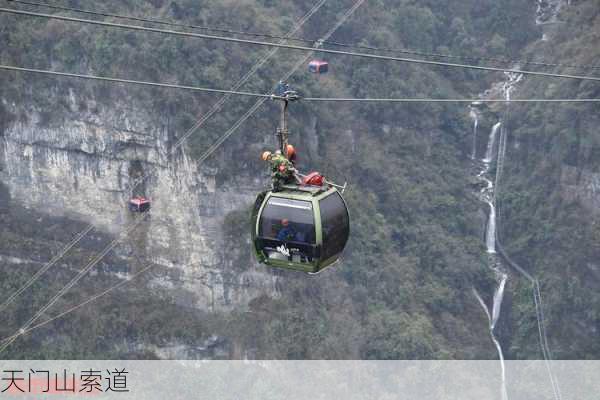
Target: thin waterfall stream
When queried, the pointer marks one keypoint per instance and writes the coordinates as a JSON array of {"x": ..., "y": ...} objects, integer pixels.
[
  {"x": 474, "y": 114},
  {"x": 495, "y": 150}
]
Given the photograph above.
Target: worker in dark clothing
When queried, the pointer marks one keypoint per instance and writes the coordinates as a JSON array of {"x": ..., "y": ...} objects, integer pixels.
[
  {"x": 282, "y": 170},
  {"x": 281, "y": 89}
]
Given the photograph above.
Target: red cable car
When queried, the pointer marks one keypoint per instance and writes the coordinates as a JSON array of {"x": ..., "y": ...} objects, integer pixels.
[
  {"x": 139, "y": 204},
  {"x": 318, "y": 66}
]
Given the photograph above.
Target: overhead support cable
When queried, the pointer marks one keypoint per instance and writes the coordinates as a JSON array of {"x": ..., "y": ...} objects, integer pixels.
[
  {"x": 133, "y": 82},
  {"x": 275, "y": 97},
  {"x": 301, "y": 48},
  {"x": 159, "y": 22},
  {"x": 29, "y": 326},
  {"x": 272, "y": 96},
  {"x": 307, "y": 40},
  {"x": 46, "y": 266},
  {"x": 434, "y": 100},
  {"x": 216, "y": 107},
  {"x": 9, "y": 339},
  {"x": 73, "y": 281}
]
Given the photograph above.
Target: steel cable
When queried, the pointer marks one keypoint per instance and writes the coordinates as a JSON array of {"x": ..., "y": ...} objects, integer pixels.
[
  {"x": 213, "y": 110},
  {"x": 300, "y": 48},
  {"x": 305, "y": 40},
  {"x": 8, "y": 340}
]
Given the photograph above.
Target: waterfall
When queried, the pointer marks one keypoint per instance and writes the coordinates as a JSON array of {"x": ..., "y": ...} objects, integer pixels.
[
  {"x": 500, "y": 159},
  {"x": 488, "y": 195},
  {"x": 5, "y": 161},
  {"x": 491, "y": 141},
  {"x": 507, "y": 88},
  {"x": 490, "y": 235},
  {"x": 547, "y": 12},
  {"x": 510, "y": 84},
  {"x": 475, "y": 117},
  {"x": 498, "y": 295}
]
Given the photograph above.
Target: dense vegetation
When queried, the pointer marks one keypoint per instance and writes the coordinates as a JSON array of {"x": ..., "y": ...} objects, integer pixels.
[
  {"x": 404, "y": 288},
  {"x": 550, "y": 218}
]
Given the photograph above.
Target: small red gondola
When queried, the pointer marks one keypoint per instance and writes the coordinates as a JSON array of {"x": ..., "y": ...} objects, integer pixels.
[
  {"x": 139, "y": 204},
  {"x": 318, "y": 66}
]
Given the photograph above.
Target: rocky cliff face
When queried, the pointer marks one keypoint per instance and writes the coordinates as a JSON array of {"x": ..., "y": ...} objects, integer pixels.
[
  {"x": 547, "y": 10},
  {"x": 581, "y": 185},
  {"x": 85, "y": 167}
]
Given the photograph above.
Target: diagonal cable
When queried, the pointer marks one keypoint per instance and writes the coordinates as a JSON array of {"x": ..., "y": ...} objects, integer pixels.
[
  {"x": 199, "y": 123},
  {"x": 216, "y": 107},
  {"x": 76, "y": 279},
  {"x": 9, "y": 340}
]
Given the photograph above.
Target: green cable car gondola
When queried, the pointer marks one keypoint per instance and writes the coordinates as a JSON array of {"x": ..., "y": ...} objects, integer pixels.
[
  {"x": 304, "y": 225},
  {"x": 303, "y": 228}
]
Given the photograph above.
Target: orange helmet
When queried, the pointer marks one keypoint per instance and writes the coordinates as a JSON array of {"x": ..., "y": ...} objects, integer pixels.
[
  {"x": 291, "y": 151},
  {"x": 266, "y": 155}
]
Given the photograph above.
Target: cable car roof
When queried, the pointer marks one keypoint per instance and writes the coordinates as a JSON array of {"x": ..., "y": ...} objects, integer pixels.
[{"x": 303, "y": 190}]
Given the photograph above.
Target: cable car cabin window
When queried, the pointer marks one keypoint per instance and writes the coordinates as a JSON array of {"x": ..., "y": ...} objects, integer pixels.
[
  {"x": 335, "y": 224},
  {"x": 288, "y": 220}
]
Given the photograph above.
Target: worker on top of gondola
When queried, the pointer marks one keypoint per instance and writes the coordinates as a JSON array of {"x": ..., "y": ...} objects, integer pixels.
[
  {"x": 291, "y": 154},
  {"x": 281, "y": 89},
  {"x": 282, "y": 170}
]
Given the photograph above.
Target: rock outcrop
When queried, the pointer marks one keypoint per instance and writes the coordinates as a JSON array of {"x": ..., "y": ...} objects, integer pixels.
[{"x": 87, "y": 165}]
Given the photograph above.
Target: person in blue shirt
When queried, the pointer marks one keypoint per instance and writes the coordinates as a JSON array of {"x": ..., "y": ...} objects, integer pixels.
[{"x": 286, "y": 233}]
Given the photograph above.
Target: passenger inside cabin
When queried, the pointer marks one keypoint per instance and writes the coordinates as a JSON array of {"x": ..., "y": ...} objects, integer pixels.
[{"x": 287, "y": 233}]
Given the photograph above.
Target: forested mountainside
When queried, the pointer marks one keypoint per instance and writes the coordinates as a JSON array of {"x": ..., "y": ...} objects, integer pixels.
[
  {"x": 550, "y": 210},
  {"x": 405, "y": 287}
]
